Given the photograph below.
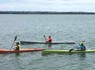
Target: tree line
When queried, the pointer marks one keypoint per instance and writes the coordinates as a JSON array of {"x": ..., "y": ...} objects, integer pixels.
[{"x": 42, "y": 12}]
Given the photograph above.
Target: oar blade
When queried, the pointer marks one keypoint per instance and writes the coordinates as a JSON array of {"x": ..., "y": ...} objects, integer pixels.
[
  {"x": 15, "y": 38},
  {"x": 45, "y": 37},
  {"x": 70, "y": 50}
]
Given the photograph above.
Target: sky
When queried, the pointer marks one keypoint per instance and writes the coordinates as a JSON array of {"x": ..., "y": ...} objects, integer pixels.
[{"x": 48, "y": 5}]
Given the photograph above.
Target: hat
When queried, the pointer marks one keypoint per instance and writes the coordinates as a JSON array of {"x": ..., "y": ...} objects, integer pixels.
[{"x": 81, "y": 43}]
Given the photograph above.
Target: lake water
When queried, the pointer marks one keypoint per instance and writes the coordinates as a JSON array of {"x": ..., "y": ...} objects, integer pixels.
[{"x": 61, "y": 27}]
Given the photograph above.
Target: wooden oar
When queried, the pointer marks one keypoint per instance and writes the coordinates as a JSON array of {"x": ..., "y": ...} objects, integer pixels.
[{"x": 13, "y": 42}]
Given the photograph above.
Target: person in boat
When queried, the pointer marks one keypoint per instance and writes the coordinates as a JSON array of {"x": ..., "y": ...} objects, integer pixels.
[
  {"x": 17, "y": 46},
  {"x": 81, "y": 47},
  {"x": 49, "y": 40}
]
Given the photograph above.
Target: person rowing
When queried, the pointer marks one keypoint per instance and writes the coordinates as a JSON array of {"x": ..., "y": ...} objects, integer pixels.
[
  {"x": 81, "y": 47},
  {"x": 17, "y": 47},
  {"x": 49, "y": 40}
]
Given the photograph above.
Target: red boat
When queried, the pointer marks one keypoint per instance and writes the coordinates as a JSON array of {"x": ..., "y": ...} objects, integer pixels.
[{"x": 21, "y": 50}]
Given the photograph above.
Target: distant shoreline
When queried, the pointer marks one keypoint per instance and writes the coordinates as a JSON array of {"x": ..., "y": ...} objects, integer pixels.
[{"x": 41, "y": 12}]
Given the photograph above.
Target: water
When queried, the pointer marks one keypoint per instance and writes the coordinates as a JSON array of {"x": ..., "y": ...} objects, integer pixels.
[{"x": 61, "y": 27}]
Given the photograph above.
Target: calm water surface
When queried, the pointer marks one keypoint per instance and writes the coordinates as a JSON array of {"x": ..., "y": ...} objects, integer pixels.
[{"x": 61, "y": 27}]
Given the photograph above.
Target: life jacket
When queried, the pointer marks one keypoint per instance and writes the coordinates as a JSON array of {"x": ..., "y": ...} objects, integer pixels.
[
  {"x": 49, "y": 39},
  {"x": 18, "y": 47},
  {"x": 82, "y": 47}
]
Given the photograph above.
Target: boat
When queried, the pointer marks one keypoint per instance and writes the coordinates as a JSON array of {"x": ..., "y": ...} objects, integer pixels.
[
  {"x": 66, "y": 51},
  {"x": 21, "y": 50},
  {"x": 40, "y": 42}
]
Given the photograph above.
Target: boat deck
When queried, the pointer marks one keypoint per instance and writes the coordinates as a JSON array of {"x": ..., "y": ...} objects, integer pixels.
[{"x": 66, "y": 51}]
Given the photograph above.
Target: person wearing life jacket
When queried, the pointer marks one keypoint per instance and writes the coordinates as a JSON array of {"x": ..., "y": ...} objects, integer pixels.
[
  {"x": 17, "y": 47},
  {"x": 49, "y": 39},
  {"x": 82, "y": 47}
]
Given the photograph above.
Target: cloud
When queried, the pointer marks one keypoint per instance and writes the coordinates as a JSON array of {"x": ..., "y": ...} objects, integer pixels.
[{"x": 48, "y": 5}]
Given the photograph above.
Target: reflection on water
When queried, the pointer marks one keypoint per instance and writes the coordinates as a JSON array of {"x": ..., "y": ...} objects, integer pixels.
[
  {"x": 17, "y": 54},
  {"x": 49, "y": 45},
  {"x": 82, "y": 54}
]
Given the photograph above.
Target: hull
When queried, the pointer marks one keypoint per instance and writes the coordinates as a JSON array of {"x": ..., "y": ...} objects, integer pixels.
[
  {"x": 21, "y": 50},
  {"x": 40, "y": 42},
  {"x": 66, "y": 51}
]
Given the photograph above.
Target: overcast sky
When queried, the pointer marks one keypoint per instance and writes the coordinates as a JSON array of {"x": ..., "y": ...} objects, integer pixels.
[{"x": 47, "y": 5}]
